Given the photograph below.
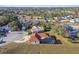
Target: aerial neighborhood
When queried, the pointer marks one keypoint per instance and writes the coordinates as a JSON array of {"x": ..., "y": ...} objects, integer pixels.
[{"x": 38, "y": 25}]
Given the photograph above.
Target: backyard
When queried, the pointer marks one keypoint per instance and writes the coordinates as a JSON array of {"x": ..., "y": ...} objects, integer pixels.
[
  {"x": 24, "y": 48},
  {"x": 18, "y": 24}
]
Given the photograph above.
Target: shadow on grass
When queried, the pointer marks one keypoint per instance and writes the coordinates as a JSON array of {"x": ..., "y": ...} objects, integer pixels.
[
  {"x": 58, "y": 42},
  {"x": 75, "y": 42}
]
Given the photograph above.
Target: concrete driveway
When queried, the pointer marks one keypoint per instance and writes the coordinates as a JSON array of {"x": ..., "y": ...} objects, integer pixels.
[{"x": 13, "y": 36}]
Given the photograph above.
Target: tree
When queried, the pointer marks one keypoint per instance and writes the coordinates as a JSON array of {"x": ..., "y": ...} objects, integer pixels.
[
  {"x": 4, "y": 20},
  {"x": 14, "y": 26},
  {"x": 45, "y": 25},
  {"x": 78, "y": 34},
  {"x": 60, "y": 30},
  {"x": 14, "y": 18}
]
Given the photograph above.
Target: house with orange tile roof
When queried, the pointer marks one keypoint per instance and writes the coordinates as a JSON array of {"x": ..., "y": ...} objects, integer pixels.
[
  {"x": 34, "y": 40},
  {"x": 43, "y": 35},
  {"x": 38, "y": 38}
]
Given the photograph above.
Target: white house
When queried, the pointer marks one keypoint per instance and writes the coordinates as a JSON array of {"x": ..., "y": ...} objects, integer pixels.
[
  {"x": 75, "y": 20},
  {"x": 72, "y": 21},
  {"x": 37, "y": 29}
]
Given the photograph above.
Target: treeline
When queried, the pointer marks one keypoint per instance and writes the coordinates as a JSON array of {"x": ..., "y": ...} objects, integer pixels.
[{"x": 51, "y": 12}]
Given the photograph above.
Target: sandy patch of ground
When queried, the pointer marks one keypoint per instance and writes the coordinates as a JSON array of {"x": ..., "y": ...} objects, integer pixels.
[{"x": 25, "y": 39}]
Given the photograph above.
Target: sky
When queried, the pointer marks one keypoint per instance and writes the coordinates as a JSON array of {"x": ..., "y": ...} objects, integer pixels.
[{"x": 39, "y": 3}]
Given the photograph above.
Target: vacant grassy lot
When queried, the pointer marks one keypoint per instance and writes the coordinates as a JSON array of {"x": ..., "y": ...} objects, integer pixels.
[
  {"x": 14, "y": 48},
  {"x": 23, "y": 48},
  {"x": 58, "y": 49},
  {"x": 38, "y": 49}
]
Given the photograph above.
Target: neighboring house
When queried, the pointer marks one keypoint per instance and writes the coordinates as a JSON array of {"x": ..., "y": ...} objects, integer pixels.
[
  {"x": 37, "y": 17},
  {"x": 36, "y": 29},
  {"x": 63, "y": 18},
  {"x": 25, "y": 18},
  {"x": 3, "y": 32},
  {"x": 75, "y": 26},
  {"x": 55, "y": 18},
  {"x": 5, "y": 27},
  {"x": 35, "y": 22},
  {"x": 26, "y": 25},
  {"x": 72, "y": 21},
  {"x": 69, "y": 28},
  {"x": 64, "y": 21},
  {"x": 75, "y": 20},
  {"x": 72, "y": 32}
]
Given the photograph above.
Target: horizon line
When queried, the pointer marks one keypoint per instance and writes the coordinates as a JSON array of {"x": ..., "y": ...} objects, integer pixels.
[{"x": 39, "y": 5}]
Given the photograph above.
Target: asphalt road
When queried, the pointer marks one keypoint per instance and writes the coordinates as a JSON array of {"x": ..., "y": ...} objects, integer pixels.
[{"x": 12, "y": 36}]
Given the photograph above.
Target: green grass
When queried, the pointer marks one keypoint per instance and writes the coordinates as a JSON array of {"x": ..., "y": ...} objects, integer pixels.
[
  {"x": 65, "y": 41},
  {"x": 58, "y": 49},
  {"x": 23, "y": 48},
  {"x": 65, "y": 48}
]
